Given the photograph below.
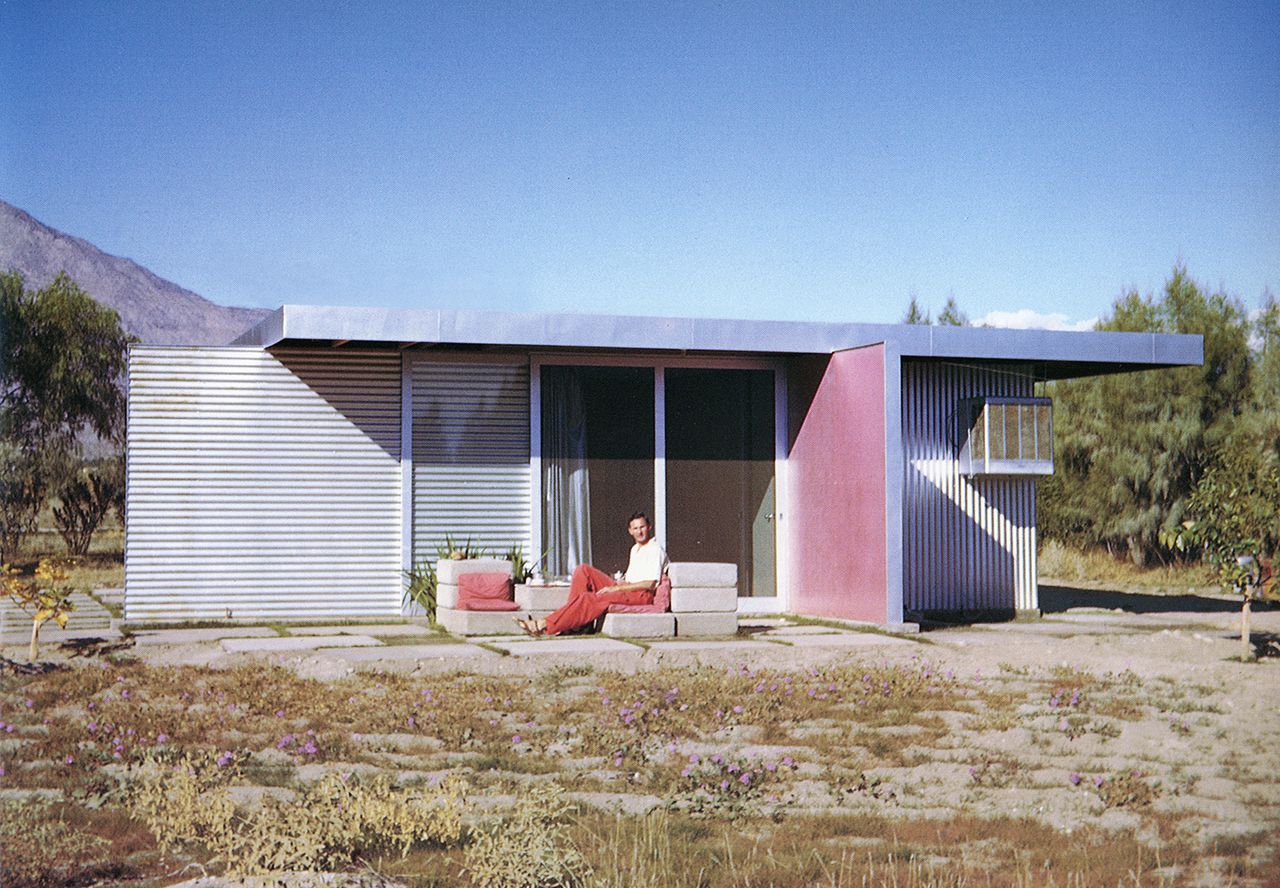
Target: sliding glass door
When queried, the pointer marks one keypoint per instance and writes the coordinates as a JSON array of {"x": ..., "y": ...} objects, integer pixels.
[
  {"x": 597, "y": 463},
  {"x": 697, "y": 445},
  {"x": 721, "y": 489}
]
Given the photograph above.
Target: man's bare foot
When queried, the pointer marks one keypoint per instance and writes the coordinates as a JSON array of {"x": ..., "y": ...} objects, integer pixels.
[{"x": 531, "y": 627}]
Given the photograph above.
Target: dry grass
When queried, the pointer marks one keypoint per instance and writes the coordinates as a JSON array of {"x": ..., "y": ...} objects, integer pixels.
[
  {"x": 847, "y": 770},
  {"x": 1061, "y": 562}
]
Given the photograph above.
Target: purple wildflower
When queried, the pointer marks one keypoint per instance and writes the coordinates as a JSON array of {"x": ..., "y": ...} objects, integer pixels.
[
  {"x": 69, "y": 760},
  {"x": 279, "y": 713},
  {"x": 224, "y": 759},
  {"x": 745, "y": 779},
  {"x": 1074, "y": 778},
  {"x": 310, "y": 748},
  {"x": 516, "y": 738},
  {"x": 1097, "y": 780}
]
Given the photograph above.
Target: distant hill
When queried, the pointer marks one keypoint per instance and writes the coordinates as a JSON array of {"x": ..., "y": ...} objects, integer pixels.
[{"x": 157, "y": 311}]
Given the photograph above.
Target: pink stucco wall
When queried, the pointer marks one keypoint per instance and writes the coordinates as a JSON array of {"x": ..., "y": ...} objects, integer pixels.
[{"x": 836, "y": 489}]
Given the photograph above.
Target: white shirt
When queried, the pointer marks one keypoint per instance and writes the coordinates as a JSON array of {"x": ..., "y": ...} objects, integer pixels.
[{"x": 647, "y": 565}]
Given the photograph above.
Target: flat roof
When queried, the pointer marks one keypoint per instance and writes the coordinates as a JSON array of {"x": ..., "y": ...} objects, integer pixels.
[{"x": 1058, "y": 354}]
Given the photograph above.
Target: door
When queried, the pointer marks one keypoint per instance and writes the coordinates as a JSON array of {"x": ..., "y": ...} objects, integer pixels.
[{"x": 721, "y": 487}]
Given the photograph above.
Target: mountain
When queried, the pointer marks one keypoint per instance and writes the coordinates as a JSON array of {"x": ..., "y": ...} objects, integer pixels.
[{"x": 157, "y": 311}]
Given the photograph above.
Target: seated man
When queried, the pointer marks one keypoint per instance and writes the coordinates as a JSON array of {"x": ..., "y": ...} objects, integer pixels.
[{"x": 591, "y": 591}]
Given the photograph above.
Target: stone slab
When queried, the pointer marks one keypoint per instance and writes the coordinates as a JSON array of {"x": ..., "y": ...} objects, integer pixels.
[
  {"x": 307, "y": 643},
  {"x": 22, "y": 635},
  {"x": 397, "y": 630},
  {"x": 541, "y": 598},
  {"x": 448, "y": 570},
  {"x": 844, "y": 640},
  {"x": 640, "y": 625},
  {"x": 711, "y": 644},
  {"x": 704, "y": 599},
  {"x": 702, "y": 573},
  {"x": 706, "y": 624},
  {"x": 462, "y": 622},
  {"x": 804, "y": 630},
  {"x": 532, "y": 647},
  {"x": 146, "y": 637},
  {"x": 400, "y": 652}
]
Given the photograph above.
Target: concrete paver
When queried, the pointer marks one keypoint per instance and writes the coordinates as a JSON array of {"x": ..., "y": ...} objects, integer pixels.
[
  {"x": 388, "y": 630},
  {"x": 145, "y": 637},
  {"x": 845, "y": 640},
  {"x": 804, "y": 630},
  {"x": 413, "y": 652},
  {"x": 278, "y": 645},
  {"x": 534, "y": 647},
  {"x": 676, "y": 644}
]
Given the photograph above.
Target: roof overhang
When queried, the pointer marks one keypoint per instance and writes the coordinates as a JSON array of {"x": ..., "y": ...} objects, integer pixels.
[{"x": 1058, "y": 354}]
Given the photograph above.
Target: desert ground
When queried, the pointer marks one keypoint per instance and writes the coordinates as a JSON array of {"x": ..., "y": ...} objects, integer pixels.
[{"x": 1118, "y": 740}]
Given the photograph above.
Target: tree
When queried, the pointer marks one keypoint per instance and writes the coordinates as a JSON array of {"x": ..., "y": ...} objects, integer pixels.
[
  {"x": 951, "y": 315},
  {"x": 915, "y": 314},
  {"x": 61, "y": 359},
  {"x": 1235, "y": 521},
  {"x": 84, "y": 499},
  {"x": 1130, "y": 448}
]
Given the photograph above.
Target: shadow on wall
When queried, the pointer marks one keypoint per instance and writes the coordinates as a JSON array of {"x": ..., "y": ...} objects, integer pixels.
[
  {"x": 362, "y": 387},
  {"x": 1057, "y": 599}
]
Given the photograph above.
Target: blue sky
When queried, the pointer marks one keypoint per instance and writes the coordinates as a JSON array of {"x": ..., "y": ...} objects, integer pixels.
[{"x": 796, "y": 160}]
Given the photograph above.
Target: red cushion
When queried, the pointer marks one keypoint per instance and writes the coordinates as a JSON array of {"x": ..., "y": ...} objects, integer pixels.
[
  {"x": 662, "y": 594},
  {"x": 661, "y": 601},
  {"x": 636, "y": 609},
  {"x": 486, "y": 604},
  {"x": 479, "y": 591}
]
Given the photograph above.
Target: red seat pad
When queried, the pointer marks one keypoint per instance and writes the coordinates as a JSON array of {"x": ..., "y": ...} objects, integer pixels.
[
  {"x": 636, "y": 609},
  {"x": 485, "y": 591},
  {"x": 487, "y": 604}
]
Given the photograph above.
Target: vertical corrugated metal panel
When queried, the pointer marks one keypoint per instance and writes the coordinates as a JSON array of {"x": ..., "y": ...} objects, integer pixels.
[
  {"x": 969, "y": 543},
  {"x": 263, "y": 483},
  {"x": 470, "y": 455}
]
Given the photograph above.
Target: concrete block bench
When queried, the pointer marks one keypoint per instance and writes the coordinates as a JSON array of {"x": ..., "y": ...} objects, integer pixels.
[
  {"x": 461, "y": 621},
  {"x": 703, "y": 601}
]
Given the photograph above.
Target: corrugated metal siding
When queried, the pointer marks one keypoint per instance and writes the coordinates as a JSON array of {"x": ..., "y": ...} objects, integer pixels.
[
  {"x": 264, "y": 483},
  {"x": 470, "y": 455},
  {"x": 968, "y": 543}
]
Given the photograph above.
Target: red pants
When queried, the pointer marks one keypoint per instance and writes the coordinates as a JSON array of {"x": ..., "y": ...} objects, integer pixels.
[{"x": 586, "y": 604}]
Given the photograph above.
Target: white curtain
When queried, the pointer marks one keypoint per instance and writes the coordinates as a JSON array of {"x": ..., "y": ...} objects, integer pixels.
[{"x": 566, "y": 517}]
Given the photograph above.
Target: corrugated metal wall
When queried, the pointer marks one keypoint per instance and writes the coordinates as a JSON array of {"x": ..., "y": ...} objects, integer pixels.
[
  {"x": 264, "y": 483},
  {"x": 968, "y": 543},
  {"x": 470, "y": 455}
]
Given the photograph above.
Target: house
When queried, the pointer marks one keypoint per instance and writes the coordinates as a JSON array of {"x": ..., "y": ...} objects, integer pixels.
[{"x": 857, "y": 471}]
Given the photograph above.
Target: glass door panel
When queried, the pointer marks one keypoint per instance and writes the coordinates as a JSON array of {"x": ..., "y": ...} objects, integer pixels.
[
  {"x": 597, "y": 463},
  {"x": 721, "y": 491}
]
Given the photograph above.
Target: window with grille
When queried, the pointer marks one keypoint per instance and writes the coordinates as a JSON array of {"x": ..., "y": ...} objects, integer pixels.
[{"x": 1006, "y": 436}]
